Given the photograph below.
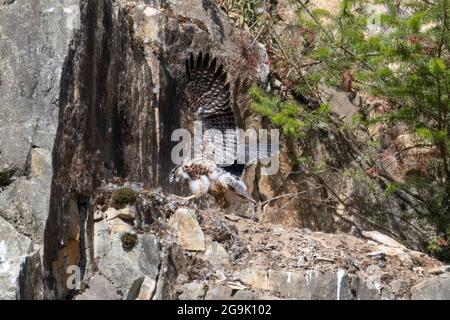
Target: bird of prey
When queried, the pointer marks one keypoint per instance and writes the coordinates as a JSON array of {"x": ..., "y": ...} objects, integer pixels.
[
  {"x": 208, "y": 99},
  {"x": 204, "y": 176}
]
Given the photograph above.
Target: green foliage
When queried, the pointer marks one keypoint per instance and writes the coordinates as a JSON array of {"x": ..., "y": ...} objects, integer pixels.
[
  {"x": 128, "y": 240},
  {"x": 247, "y": 10},
  {"x": 316, "y": 166},
  {"x": 440, "y": 246},
  {"x": 401, "y": 53},
  {"x": 391, "y": 188},
  {"x": 405, "y": 59},
  {"x": 122, "y": 197},
  {"x": 358, "y": 176},
  {"x": 293, "y": 119}
]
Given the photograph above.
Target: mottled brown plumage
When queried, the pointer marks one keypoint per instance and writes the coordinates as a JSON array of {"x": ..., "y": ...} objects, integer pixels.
[
  {"x": 196, "y": 170},
  {"x": 208, "y": 99}
]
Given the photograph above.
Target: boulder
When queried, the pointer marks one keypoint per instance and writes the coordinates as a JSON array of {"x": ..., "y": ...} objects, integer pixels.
[
  {"x": 219, "y": 293},
  {"x": 189, "y": 233},
  {"x": 101, "y": 239},
  {"x": 245, "y": 295},
  {"x": 122, "y": 266},
  {"x": 255, "y": 278},
  {"x": 382, "y": 239},
  {"x": 192, "y": 291},
  {"x": 147, "y": 289},
  {"x": 364, "y": 288},
  {"x": 142, "y": 289},
  {"x": 150, "y": 256},
  {"x": 128, "y": 213},
  {"x": 14, "y": 250},
  {"x": 439, "y": 270},
  {"x": 309, "y": 285},
  {"x": 435, "y": 288},
  {"x": 99, "y": 288},
  {"x": 216, "y": 254}
]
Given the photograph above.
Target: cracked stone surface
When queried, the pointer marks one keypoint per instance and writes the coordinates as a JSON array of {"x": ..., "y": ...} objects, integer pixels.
[{"x": 34, "y": 38}]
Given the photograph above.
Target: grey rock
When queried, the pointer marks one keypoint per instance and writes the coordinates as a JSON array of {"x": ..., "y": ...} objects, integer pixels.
[
  {"x": 125, "y": 268},
  {"x": 189, "y": 233},
  {"x": 255, "y": 278},
  {"x": 439, "y": 270},
  {"x": 34, "y": 39},
  {"x": 340, "y": 104},
  {"x": 277, "y": 84},
  {"x": 98, "y": 216},
  {"x": 436, "y": 288},
  {"x": 147, "y": 290},
  {"x": 216, "y": 254},
  {"x": 142, "y": 289},
  {"x": 399, "y": 287},
  {"x": 7, "y": 170},
  {"x": 150, "y": 256},
  {"x": 99, "y": 289},
  {"x": 12, "y": 243},
  {"x": 245, "y": 295},
  {"x": 192, "y": 291},
  {"x": 111, "y": 214},
  {"x": 133, "y": 293},
  {"x": 332, "y": 286},
  {"x": 310, "y": 285},
  {"x": 25, "y": 202},
  {"x": 291, "y": 285},
  {"x": 165, "y": 287},
  {"x": 30, "y": 281},
  {"x": 387, "y": 294},
  {"x": 9, "y": 274},
  {"x": 34, "y": 36},
  {"x": 14, "y": 249},
  {"x": 364, "y": 289},
  {"x": 101, "y": 239},
  {"x": 219, "y": 293},
  {"x": 33, "y": 47},
  {"x": 128, "y": 213},
  {"x": 120, "y": 266},
  {"x": 382, "y": 239},
  {"x": 377, "y": 255}
]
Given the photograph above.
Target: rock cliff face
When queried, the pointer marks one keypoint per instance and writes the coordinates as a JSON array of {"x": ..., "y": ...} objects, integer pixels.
[
  {"x": 34, "y": 36},
  {"x": 172, "y": 250},
  {"x": 92, "y": 90},
  {"x": 121, "y": 98}
]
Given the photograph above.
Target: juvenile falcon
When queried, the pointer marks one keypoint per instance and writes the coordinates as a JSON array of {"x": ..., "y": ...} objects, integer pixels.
[{"x": 208, "y": 100}]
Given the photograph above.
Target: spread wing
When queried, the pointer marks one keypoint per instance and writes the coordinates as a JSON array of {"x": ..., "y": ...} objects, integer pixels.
[
  {"x": 208, "y": 96},
  {"x": 239, "y": 187},
  {"x": 208, "y": 93}
]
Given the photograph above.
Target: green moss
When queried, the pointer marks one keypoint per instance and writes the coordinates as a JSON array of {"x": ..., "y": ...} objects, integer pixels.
[
  {"x": 122, "y": 197},
  {"x": 128, "y": 240}
]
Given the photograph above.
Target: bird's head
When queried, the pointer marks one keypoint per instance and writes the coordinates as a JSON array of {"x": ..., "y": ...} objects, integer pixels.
[{"x": 175, "y": 174}]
